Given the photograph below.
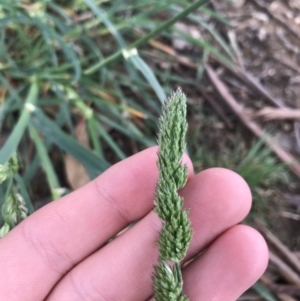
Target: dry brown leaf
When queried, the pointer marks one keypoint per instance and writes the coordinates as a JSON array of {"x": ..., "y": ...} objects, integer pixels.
[
  {"x": 278, "y": 113},
  {"x": 76, "y": 173}
]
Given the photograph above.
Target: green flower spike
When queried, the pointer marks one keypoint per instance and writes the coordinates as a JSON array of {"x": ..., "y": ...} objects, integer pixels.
[
  {"x": 176, "y": 231},
  {"x": 9, "y": 168},
  {"x": 14, "y": 210}
]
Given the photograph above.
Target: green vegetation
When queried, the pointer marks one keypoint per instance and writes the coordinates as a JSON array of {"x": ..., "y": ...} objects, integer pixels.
[
  {"x": 176, "y": 232},
  {"x": 99, "y": 62},
  {"x": 62, "y": 62}
]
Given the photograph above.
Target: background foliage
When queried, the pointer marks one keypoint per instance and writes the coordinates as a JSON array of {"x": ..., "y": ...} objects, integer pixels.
[{"x": 74, "y": 97}]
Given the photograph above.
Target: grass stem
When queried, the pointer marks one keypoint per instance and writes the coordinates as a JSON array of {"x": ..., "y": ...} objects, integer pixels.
[
  {"x": 118, "y": 55},
  {"x": 14, "y": 139}
]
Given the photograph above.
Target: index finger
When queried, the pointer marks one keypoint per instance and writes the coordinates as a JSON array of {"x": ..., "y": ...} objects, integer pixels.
[{"x": 58, "y": 236}]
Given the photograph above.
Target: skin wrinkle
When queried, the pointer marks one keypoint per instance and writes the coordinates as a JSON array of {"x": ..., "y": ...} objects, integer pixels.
[
  {"x": 147, "y": 261},
  {"x": 48, "y": 252},
  {"x": 99, "y": 292},
  {"x": 83, "y": 291},
  {"x": 105, "y": 195},
  {"x": 78, "y": 289}
]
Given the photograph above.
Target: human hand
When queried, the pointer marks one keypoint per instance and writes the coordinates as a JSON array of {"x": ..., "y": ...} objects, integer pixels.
[{"x": 60, "y": 253}]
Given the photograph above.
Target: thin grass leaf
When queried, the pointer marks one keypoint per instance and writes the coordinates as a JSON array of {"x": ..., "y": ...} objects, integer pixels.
[
  {"x": 92, "y": 128},
  {"x": 253, "y": 153},
  {"x": 210, "y": 29},
  {"x": 215, "y": 15},
  {"x": 64, "y": 117},
  {"x": 31, "y": 170},
  {"x": 135, "y": 60},
  {"x": 14, "y": 139},
  {"x": 103, "y": 16},
  {"x": 264, "y": 292},
  {"x": 140, "y": 64},
  {"x": 13, "y": 93},
  {"x": 3, "y": 52},
  {"x": 88, "y": 113},
  {"x": 206, "y": 46},
  {"x": 94, "y": 164},
  {"x": 118, "y": 55},
  {"x": 51, "y": 36},
  {"x": 128, "y": 131},
  {"x": 24, "y": 193},
  {"x": 47, "y": 164},
  {"x": 111, "y": 143}
]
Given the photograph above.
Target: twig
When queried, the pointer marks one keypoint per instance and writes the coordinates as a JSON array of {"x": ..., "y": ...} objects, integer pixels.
[
  {"x": 297, "y": 132},
  {"x": 285, "y": 297},
  {"x": 167, "y": 49},
  {"x": 291, "y": 289},
  {"x": 254, "y": 83},
  {"x": 284, "y": 40},
  {"x": 253, "y": 126},
  {"x": 287, "y": 273},
  {"x": 290, "y": 215},
  {"x": 241, "y": 73},
  {"x": 284, "y": 251},
  {"x": 234, "y": 44},
  {"x": 278, "y": 113},
  {"x": 287, "y": 62}
]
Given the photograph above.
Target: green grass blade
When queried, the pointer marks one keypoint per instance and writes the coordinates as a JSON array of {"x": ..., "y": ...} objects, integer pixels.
[
  {"x": 211, "y": 30},
  {"x": 67, "y": 50},
  {"x": 128, "y": 131},
  {"x": 14, "y": 139},
  {"x": 94, "y": 164},
  {"x": 215, "y": 15},
  {"x": 47, "y": 164},
  {"x": 206, "y": 46},
  {"x": 140, "y": 64},
  {"x": 92, "y": 128},
  {"x": 111, "y": 143},
  {"x": 118, "y": 55},
  {"x": 10, "y": 89},
  {"x": 102, "y": 15},
  {"x": 264, "y": 292},
  {"x": 24, "y": 193}
]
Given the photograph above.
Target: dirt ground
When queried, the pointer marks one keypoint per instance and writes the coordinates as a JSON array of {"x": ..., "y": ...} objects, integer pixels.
[{"x": 265, "y": 36}]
